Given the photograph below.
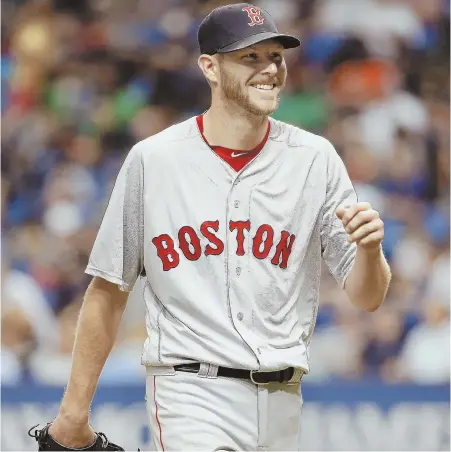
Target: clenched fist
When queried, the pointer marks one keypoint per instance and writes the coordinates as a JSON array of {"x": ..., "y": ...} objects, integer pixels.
[{"x": 363, "y": 225}]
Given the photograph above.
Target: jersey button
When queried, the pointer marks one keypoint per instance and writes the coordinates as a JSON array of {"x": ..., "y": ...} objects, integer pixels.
[
  {"x": 236, "y": 204},
  {"x": 239, "y": 316},
  {"x": 238, "y": 271}
]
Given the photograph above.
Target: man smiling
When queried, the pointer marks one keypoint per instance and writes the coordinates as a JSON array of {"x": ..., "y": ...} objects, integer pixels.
[{"x": 226, "y": 217}]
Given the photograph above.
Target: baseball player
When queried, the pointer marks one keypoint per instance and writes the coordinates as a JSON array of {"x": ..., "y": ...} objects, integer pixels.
[{"x": 226, "y": 217}]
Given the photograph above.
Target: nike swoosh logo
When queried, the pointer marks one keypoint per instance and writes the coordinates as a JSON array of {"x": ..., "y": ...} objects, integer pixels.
[{"x": 237, "y": 155}]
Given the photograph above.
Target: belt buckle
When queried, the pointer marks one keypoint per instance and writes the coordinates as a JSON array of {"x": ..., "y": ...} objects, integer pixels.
[{"x": 252, "y": 372}]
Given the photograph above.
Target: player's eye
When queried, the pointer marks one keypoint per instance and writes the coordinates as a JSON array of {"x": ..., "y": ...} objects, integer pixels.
[
  {"x": 251, "y": 56},
  {"x": 276, "y": 56}
]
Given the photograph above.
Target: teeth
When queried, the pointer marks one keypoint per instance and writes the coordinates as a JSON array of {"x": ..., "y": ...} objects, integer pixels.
[{"x": 265, "y": 87}]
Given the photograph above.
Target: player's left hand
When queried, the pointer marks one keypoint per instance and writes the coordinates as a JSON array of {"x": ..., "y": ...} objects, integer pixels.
[{"x": 363, "y": 225}]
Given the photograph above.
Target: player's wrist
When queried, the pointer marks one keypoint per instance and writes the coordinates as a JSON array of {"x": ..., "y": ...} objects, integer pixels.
[{"x": 371, "y": 252}]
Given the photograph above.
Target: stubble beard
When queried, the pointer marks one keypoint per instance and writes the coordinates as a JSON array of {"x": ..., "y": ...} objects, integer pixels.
[{"x": 231, "y": 90}]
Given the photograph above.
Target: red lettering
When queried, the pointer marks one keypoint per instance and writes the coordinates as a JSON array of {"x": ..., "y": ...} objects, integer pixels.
[
  {"x": 194, "y": 254},
  {"x": 240, "y": 226},
  {"x": 166, "y": 251},
  {"x": 254, "y": 14},
  {"x": 267, "y": 241},
  {"x": 189, "y": 243},
  {"x": 212, "y": 238},
  {"x": 283, "y": 249}
]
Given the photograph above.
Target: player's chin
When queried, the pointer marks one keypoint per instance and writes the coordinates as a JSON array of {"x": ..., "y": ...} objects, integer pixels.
[{"x": 266, "y": 107}]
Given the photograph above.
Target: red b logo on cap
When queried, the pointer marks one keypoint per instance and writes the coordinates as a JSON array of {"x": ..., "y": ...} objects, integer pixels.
[{"x": 254, "y": 15}]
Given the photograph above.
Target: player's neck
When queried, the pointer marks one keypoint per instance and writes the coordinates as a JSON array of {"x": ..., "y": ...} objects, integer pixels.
[{"x": 234, "y": 131}]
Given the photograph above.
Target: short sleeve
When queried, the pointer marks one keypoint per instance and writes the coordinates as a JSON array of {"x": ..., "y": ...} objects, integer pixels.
[
  {"x": 338, "y": 254},
  {"x": 117, "y": 254}
]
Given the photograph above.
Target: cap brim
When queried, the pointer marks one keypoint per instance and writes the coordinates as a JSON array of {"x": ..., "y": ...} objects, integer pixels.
[{"x": 288, "y": 42}]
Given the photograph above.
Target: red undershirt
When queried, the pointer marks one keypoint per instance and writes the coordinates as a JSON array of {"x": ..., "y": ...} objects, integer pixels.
[{"x": 236, "y": 159}]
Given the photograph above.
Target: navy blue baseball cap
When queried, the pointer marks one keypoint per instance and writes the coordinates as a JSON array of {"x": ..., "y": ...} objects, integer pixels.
[{"x": 236, "y": 26}]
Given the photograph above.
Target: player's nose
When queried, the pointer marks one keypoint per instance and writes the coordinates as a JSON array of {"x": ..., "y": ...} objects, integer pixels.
[{"x": 270, "y": 69}]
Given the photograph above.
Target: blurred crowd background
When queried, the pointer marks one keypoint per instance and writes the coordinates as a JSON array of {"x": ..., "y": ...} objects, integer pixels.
[{"x": 82, "y": 81}]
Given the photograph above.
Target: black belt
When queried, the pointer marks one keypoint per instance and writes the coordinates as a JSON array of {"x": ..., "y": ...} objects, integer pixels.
[{"x": 279, "y": 376}]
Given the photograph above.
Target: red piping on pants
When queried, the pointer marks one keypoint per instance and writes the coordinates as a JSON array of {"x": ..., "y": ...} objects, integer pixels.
[{"x": 156, "y": 409}]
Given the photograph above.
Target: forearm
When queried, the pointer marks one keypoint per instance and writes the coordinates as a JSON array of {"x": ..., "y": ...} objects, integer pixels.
[
  {"x": 368, "y": 281},
  {"x": 96, "y": 333}
]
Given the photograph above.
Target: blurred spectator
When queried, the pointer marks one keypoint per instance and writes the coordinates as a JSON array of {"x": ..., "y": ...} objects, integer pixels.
[
  {"x": 426, "y": 356},
  {"x": 124, "y": 363},
  {"x": 335, "y": 349},
  {"x": 384, "y": 346},
  {"x": 83, "y": 81}
]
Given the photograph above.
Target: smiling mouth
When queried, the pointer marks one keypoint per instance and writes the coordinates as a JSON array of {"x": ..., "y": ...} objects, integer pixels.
[{"x": 264, "y": 86}]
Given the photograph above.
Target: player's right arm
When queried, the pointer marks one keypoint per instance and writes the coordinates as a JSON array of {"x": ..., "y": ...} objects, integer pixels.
[
  {"x": 115, "y": 262},
  {"x": 98, "y": 324}
]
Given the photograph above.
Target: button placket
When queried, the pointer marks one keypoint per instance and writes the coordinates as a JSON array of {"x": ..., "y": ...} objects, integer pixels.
[{"x": 236, "y": 265}]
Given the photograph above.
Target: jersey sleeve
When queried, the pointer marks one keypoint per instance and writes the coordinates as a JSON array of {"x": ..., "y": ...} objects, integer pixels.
[
  {"x": 338, "y": 254},
  {"x": 117, "y": 254}
]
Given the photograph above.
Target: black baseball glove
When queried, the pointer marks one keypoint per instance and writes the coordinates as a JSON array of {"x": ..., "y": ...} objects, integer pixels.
[{"x": 46, "y": 442}]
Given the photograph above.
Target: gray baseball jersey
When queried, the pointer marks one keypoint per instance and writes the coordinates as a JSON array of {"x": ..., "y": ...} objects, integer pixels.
[{"x": 232, "y": 260}]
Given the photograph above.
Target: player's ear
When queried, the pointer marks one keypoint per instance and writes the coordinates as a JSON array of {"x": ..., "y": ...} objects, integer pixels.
[{"x": 209, "y": 66}]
